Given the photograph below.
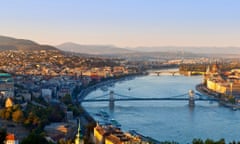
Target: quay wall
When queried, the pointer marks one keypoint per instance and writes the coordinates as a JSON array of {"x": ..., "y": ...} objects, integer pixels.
[
  {"x": 204, "y": 90},
  {"x": 86, "y": 119}
]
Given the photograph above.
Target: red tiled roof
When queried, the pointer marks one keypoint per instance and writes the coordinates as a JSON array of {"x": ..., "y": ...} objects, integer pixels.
[{"x": 10, "y": 137}]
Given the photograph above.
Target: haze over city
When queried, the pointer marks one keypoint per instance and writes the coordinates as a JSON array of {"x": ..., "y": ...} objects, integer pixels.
[
  {"x": 124, "y": 23},
  {"x": 119, "y": 72}
]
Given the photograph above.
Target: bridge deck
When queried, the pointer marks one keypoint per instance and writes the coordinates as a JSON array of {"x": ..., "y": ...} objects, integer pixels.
[{"x": 148, "y": 99}]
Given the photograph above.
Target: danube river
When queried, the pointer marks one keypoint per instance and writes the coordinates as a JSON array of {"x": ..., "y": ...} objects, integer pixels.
[{"x": 167, "y": 120}]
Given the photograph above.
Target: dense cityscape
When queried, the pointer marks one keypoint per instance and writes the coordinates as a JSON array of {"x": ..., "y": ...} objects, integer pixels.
[
  {"x": 119, "y": 72},
  {"x": 41, "y": 90}
]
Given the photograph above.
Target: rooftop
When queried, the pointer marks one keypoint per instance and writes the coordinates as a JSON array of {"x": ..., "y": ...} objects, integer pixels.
[
  {"x": 10, "y": 137},
  {"x": 5, "y": 75}
]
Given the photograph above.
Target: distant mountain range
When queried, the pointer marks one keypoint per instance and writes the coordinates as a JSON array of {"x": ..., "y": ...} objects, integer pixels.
[
  {"x": 93, "y": 49},
  {"x": 196, "y": 50},
  {"x": 107, "y": 49},
  {"x": 8, "y": 43}
]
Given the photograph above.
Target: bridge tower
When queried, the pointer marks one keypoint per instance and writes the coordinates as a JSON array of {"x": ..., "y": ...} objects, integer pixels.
[
  {"x": 111, "y": 100},
  {"x": 191, "y": 101},
  {"x": 158, "y": 73}
]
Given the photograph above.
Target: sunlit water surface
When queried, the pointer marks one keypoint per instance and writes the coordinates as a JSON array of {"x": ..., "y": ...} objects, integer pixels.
[{"x": 167, "y": 120}]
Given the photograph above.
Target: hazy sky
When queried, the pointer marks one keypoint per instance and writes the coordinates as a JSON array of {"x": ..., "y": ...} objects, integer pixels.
[{"x": 125, "y": 23}]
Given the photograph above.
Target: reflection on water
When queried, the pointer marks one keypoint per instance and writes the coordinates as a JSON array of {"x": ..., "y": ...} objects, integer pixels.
[{"x": 168, "y": 120}]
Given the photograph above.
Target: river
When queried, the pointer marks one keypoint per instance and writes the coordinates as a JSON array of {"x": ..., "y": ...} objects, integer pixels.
[{"x": 167, "y": 120}]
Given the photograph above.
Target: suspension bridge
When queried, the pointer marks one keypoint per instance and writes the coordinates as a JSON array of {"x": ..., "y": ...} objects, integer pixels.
[{"x": 111, "y": 97}]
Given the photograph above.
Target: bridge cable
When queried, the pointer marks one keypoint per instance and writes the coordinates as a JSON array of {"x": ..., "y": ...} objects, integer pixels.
[
  {"x": 124, "y": 95},
  {"x": 98, "y": 97}
]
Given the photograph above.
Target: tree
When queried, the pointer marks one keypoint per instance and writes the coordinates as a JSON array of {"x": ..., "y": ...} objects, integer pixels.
[
  {"x": 55, "y": 114},
  {"x": 75, "y": 109},
  {"x": 18, "y": 116},
  {"x": 221, "y": 141},
  {"x": 3, "y": 134},
  {"x": 34, "y": 138},
  {"x": 67, "y": 99},
  {"x": 169, "y": 142},
  {"x": 7, "y": 115},
  {"x": 16, "y": 107},
  {"x": 197, "y": 141},
  {"x": 63, "y": 141},
  {"x": 32, "y": 120},
  {"x": 2, "y": 113}
]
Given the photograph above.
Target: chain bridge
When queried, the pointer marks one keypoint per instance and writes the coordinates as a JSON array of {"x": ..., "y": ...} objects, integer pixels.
[{"x": 191, "y": 97}]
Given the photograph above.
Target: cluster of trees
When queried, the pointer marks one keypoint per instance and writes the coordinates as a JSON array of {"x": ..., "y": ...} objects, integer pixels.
[
  {"x": 38, "y": 117},
  {"x": 75, "y": 108},
  {"x": 3, "y": 134},
  {"x": 33, "y": 117},
  {"x": 208, "y": 141},
  {"x": 35, "y": 138},
  {"x": 12, "y": 113}
]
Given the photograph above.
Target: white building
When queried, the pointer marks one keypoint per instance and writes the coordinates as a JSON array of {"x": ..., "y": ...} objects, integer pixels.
[{"x": 11, "y": 139}]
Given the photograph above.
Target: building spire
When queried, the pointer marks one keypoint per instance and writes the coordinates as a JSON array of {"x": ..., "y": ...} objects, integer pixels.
[{"x": 77, "y": 139}]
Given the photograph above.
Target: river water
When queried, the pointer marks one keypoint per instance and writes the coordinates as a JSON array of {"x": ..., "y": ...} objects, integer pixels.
[{"x": 167, "y": 120}]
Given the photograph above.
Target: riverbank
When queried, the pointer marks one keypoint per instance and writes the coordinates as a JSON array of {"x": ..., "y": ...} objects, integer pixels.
[
  {"x": 204, "y": 90},
  {"x": 168, "y": 121},
  {"x": 86, "y": 119},
  {"x": 103, "y": 83}
]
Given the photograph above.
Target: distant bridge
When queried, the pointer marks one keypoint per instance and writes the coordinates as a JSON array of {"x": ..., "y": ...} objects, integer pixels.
[
  {"x": 147, "y": 99},
  {"x": 190, "y": 97},
  {"x": 171, "y": 72}
]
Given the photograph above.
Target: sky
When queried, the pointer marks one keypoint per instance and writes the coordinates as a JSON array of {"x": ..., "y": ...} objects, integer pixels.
[{"x": 123, "y": 23}]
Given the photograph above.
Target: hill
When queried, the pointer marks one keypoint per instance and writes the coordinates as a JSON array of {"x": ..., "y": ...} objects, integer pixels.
[
  {"x": 8, "y": 43},
  {"x": 196, "y": 50},
  {"x": 147, "y": 51},
  {"x": 93, "y": 49}
]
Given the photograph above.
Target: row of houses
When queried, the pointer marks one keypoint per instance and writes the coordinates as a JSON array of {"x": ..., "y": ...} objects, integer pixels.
[
  {"x": 108, "y": 134},
  {"x": 25, "y": 87}
]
